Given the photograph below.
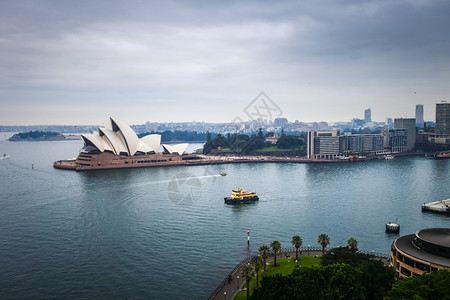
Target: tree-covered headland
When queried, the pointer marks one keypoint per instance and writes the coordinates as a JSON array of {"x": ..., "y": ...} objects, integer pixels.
[
  {"x": 254, "y": 144},
  {"x": 37, "y": 136}
]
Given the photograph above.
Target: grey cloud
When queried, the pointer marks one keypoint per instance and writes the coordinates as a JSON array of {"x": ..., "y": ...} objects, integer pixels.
[{"x": 198, "y": 51}]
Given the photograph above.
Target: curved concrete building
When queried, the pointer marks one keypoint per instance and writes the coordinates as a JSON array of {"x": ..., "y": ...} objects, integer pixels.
[
  {"x": 116, "y": 145},
  {"x": 425, "y": 251}
]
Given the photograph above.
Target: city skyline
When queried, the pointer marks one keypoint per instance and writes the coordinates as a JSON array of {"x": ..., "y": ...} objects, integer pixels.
[{"x": 69, "y": 63}]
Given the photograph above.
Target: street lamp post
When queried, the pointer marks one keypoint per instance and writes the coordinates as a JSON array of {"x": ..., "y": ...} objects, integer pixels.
[
  {"x": 308, "y": 250},
  {"x": 225, "y": 295},
  {"x": 237, "y": 282}
]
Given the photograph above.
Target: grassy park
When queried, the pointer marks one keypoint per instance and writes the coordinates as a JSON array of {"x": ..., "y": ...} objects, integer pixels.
[{"x": 285, "y": 267}]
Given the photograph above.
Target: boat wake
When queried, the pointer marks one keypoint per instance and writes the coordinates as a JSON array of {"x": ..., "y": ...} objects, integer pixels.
[{"x": 181, "y": 179}]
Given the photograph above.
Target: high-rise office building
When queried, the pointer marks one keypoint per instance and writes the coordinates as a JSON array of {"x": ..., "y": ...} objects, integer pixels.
[
  {"x": 324, "y": 144},
  {"x": 364, "y": 143},
  {"x": 419, "y": 116},
  {"x": 389, "y": 122},
  {"x": 367, "y": 116},
  {"x": 443, "y": 119},
  {"x": 410, "y": 126},
  {"x": 442, "y": 130},
  {"x": 395, "y": 140}
]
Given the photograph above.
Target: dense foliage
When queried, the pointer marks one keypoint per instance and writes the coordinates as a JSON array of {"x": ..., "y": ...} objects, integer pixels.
[
  {"x": 434, "y": 285},
  {"x": 361, "y": 277},
  {"x": 242, "y": 143},
  {"x": 344, "y": 255},
  {"x": 320, "y": 282},
  {"x": 289, "y": 142},
  {"x": 35, "y": 135}
]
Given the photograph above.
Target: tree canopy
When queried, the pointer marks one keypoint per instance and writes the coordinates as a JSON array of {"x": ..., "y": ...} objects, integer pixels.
[
  {"x": 242, "y": 143},
  {"x": 318, "y": 282},
  {"x": 360, "y": 277},
  {"x": 35, "y": 135},
  {"x": 324, "y": 241},
  {"x": 344, "y": 255},
  {"x": 434, "y": 285},
  {"x": 289, "y": 142}
]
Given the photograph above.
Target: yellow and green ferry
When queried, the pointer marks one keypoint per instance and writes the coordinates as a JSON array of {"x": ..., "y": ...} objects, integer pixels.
[{"x": 240, "y": 196}]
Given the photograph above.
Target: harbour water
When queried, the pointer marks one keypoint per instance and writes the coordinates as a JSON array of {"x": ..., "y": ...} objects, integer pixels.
[{"x": 165, "y": 233}]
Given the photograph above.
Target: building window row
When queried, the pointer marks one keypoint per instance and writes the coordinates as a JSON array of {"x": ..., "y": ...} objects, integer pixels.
[{"x": 150, "y": 161}]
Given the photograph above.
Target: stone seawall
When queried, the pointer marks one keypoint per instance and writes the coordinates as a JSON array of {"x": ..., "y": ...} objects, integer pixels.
[{"x": 203, "y": 160}]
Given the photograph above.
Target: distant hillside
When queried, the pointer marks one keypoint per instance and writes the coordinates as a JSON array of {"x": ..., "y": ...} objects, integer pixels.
[{"x": 37, "y": 136}]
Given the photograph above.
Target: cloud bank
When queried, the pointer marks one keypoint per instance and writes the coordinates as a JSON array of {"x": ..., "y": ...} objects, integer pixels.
[{"x": 79, "y": 62}]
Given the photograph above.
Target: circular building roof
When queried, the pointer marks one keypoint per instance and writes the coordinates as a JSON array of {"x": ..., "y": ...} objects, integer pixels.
[{"x": 435, "y": 236}]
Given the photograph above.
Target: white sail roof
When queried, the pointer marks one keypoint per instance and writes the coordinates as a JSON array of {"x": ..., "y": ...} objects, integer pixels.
[
  {"x": 95, "y": 140},
  {"x": 129, "y": 138},
  {"x": 119, "y": 138},
  {"x": 175, "y": 149},
  {"x": 144, "y": 148},
  {"x": 115, "y": 142},
  {"x": 153, "y": 140}
]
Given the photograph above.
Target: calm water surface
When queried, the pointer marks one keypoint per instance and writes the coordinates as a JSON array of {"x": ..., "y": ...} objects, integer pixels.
[{"x": 166, "y": 233}]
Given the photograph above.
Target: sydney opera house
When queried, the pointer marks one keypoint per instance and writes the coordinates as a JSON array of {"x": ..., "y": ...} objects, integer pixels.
[{"x": 116, "y": 145}]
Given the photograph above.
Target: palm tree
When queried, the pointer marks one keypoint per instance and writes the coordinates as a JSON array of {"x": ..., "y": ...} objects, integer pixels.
[
  {"x": 257, "y": 263},
  {"x": 297, "y": 242},
  {"x": 264, "y": 252},
  {"x": 276, "y": 246},
  {"x": 248, "y": 272},
  {"x": 352, "y": 244},
  {"x": 323, "y": 240}
]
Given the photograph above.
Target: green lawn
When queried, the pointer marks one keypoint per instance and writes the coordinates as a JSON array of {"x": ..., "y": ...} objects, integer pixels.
[
  {"x": 286, "y": 265},
  {"x": 276, "y": 149},
  {"x": 265, "y": 149}
]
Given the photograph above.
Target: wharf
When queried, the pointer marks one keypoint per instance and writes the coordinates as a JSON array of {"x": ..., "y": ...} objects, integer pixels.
[{"x": 442, "y": 206}]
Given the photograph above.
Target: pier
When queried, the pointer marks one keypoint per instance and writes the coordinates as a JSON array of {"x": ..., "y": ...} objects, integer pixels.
[{"x": 442, "y": 206}]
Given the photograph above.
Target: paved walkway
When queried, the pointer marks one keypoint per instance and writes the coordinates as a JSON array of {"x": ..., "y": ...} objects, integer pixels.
[{"x": 230, "y": 288}]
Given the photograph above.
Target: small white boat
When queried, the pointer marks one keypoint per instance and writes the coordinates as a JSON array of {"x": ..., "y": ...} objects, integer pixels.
[{"x": 389, "y": 157}]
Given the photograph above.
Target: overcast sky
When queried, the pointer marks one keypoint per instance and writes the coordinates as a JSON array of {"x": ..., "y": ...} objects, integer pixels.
[{"x": 79, "y": 62}]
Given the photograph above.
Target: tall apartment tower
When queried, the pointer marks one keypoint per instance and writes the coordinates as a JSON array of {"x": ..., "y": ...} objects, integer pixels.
[
  {"x": 410, "y": 126},
  {"x": 419, "y": 116},
  {"x": 442, "y": 119},
  {"x": 367, "y": 116}
]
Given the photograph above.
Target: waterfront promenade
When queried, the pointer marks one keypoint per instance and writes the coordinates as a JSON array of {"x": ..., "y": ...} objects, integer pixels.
[
  {"x": 229, "y": 288},
  {"x": 196, "y": 160}
]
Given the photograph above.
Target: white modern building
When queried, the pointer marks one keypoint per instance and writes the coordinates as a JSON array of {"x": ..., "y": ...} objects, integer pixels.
[
  {"x": 117, "y": 146},
  {"x": 119, "y": 139}
]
